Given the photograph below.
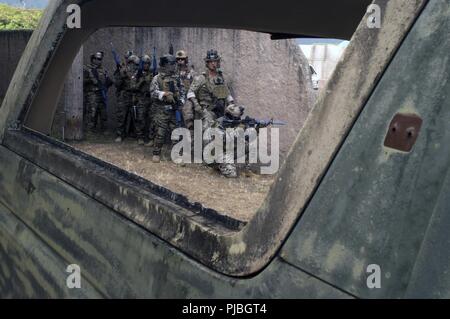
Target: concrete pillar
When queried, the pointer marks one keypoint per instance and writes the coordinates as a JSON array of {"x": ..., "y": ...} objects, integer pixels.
[{"x": 73, "y": 100}]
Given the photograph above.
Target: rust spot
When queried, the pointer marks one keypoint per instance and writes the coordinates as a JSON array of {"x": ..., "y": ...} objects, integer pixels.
[{"x": 403, "y": 132}]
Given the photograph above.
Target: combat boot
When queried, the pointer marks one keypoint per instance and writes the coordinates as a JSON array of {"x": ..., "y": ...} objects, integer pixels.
[
  {"x": 140, "y": 141},
  {"x": 248, "y": 172},
  {"x": 150, "y": 143},
  {"x": 228, "y": 170},
  {"x": 118, "y": 139},
  {"x": 156, "y": 159}
]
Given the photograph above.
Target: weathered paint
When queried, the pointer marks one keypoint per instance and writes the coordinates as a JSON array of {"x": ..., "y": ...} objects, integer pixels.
[
  {"x": 59, "y": 226},
  {"x": 30, "y": 268},
  {"x": 382, "y": 212}
]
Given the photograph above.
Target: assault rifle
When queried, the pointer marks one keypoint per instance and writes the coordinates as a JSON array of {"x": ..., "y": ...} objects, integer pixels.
[
  {"x": 155, "y": 66},
  {"x": 141, "y": 66},
  {"x": 116, "y": 57},
  {"x": 251, "y": 122},
  {"x": 178, "y": 106}
]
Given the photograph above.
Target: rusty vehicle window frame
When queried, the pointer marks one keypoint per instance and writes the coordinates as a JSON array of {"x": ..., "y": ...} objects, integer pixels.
[{"x": 221, "y": 243}]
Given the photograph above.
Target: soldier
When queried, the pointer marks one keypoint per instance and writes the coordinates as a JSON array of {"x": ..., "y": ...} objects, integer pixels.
[
  {"x": 140, "y": 83},
  {"x": 209, "y": 92},
  {"x": 122, "y": 81},
  {"x": 232, "y": 112},
  {"x": 166, "y": 91},
  {"x": 232, "y": 127},
  {"x": 96, "y": 85},
  {"x": 151, "y": 112},
  {"x": 186, "y": 74}
]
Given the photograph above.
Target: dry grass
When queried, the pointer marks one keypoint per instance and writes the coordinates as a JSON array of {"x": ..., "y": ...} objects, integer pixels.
[{"x": 239, "y": 198}]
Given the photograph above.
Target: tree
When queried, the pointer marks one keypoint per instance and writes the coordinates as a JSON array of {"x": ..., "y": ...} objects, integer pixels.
[{"x": 12, "y": 18}]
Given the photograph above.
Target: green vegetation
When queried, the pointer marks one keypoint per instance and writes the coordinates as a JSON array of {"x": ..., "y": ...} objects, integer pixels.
[{"x": 12, "y": 18}]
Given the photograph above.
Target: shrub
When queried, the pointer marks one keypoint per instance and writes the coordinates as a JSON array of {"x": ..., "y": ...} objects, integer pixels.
[{"x": 12, "y": 18}]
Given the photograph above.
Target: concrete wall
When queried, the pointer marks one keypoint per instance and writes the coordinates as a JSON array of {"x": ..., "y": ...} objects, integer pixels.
[
  {"x": 68, "y": 119},
  {"x": 12, "y": 44}
]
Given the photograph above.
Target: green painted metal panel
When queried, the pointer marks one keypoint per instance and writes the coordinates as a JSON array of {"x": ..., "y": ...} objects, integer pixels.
[
  {"x": 30, "y": 268},
  {"x": 117, "y": 257},
  {"x": 375, "y": 204},
  {"x": 430, "y": 277}
]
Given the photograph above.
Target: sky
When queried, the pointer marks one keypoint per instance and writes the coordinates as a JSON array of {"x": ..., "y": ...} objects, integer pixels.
[
  {"x": 306, "y": 41},
  {"x": 40, "y": 4}
]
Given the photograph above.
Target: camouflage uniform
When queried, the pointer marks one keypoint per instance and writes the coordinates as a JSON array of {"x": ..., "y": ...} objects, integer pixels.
[
  {"x": 164, "y": 106},
  {"x": 140, "y": 85},
  {"x": 186, "y": 75},
  {"x": 151, "y": 123},
  {"x": 95, "y": 78},
  {"x": 122, "y": 81},
  {"x": 210, "y": 93},
  {"x": 229, "y": 168}
]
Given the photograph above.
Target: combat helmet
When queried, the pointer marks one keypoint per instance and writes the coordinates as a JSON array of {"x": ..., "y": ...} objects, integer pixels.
[
  {"x": 98, "y": 55},
  {"x": 181, "y": 54},
  {"x": 167, "y": 59},
  {"x": 212, "y": 55},
  {"x": 146, "y": 59},
  {"x": 133, "y": 59},
  {"x": 234, "y": 111},
  {"x": 128, "y": 54},
  {"x": 167, "y": 63}
]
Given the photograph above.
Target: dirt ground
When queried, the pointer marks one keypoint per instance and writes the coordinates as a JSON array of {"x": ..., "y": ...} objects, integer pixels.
[{"x": 239, "y": 198}]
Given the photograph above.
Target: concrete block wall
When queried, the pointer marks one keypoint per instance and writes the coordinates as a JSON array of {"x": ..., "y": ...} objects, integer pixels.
[{"x": 12, "y": 44}]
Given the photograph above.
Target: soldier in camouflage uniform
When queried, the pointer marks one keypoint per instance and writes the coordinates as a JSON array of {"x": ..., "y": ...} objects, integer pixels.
[
  {"x": 186, "y": 74},
  {"x": 96, "y": 83},
  {"x": 165, "y": 101},
  {"x": 140, "y": 84},
  {"x": 209, "y": 92},
  {"x": 122, "y": 81},
  {"x": 228, "y": 167}
]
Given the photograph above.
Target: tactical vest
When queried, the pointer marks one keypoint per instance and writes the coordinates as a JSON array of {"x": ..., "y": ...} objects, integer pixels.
[
  {"x": 89, "y": 74},
  {"x": 213, "y": 92},
  {"x": 141, "y": 86},
  {"x": 123, "y": 83},
  {"x": 164, "y": 85},
  {"x": 186, "y": 78}
]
